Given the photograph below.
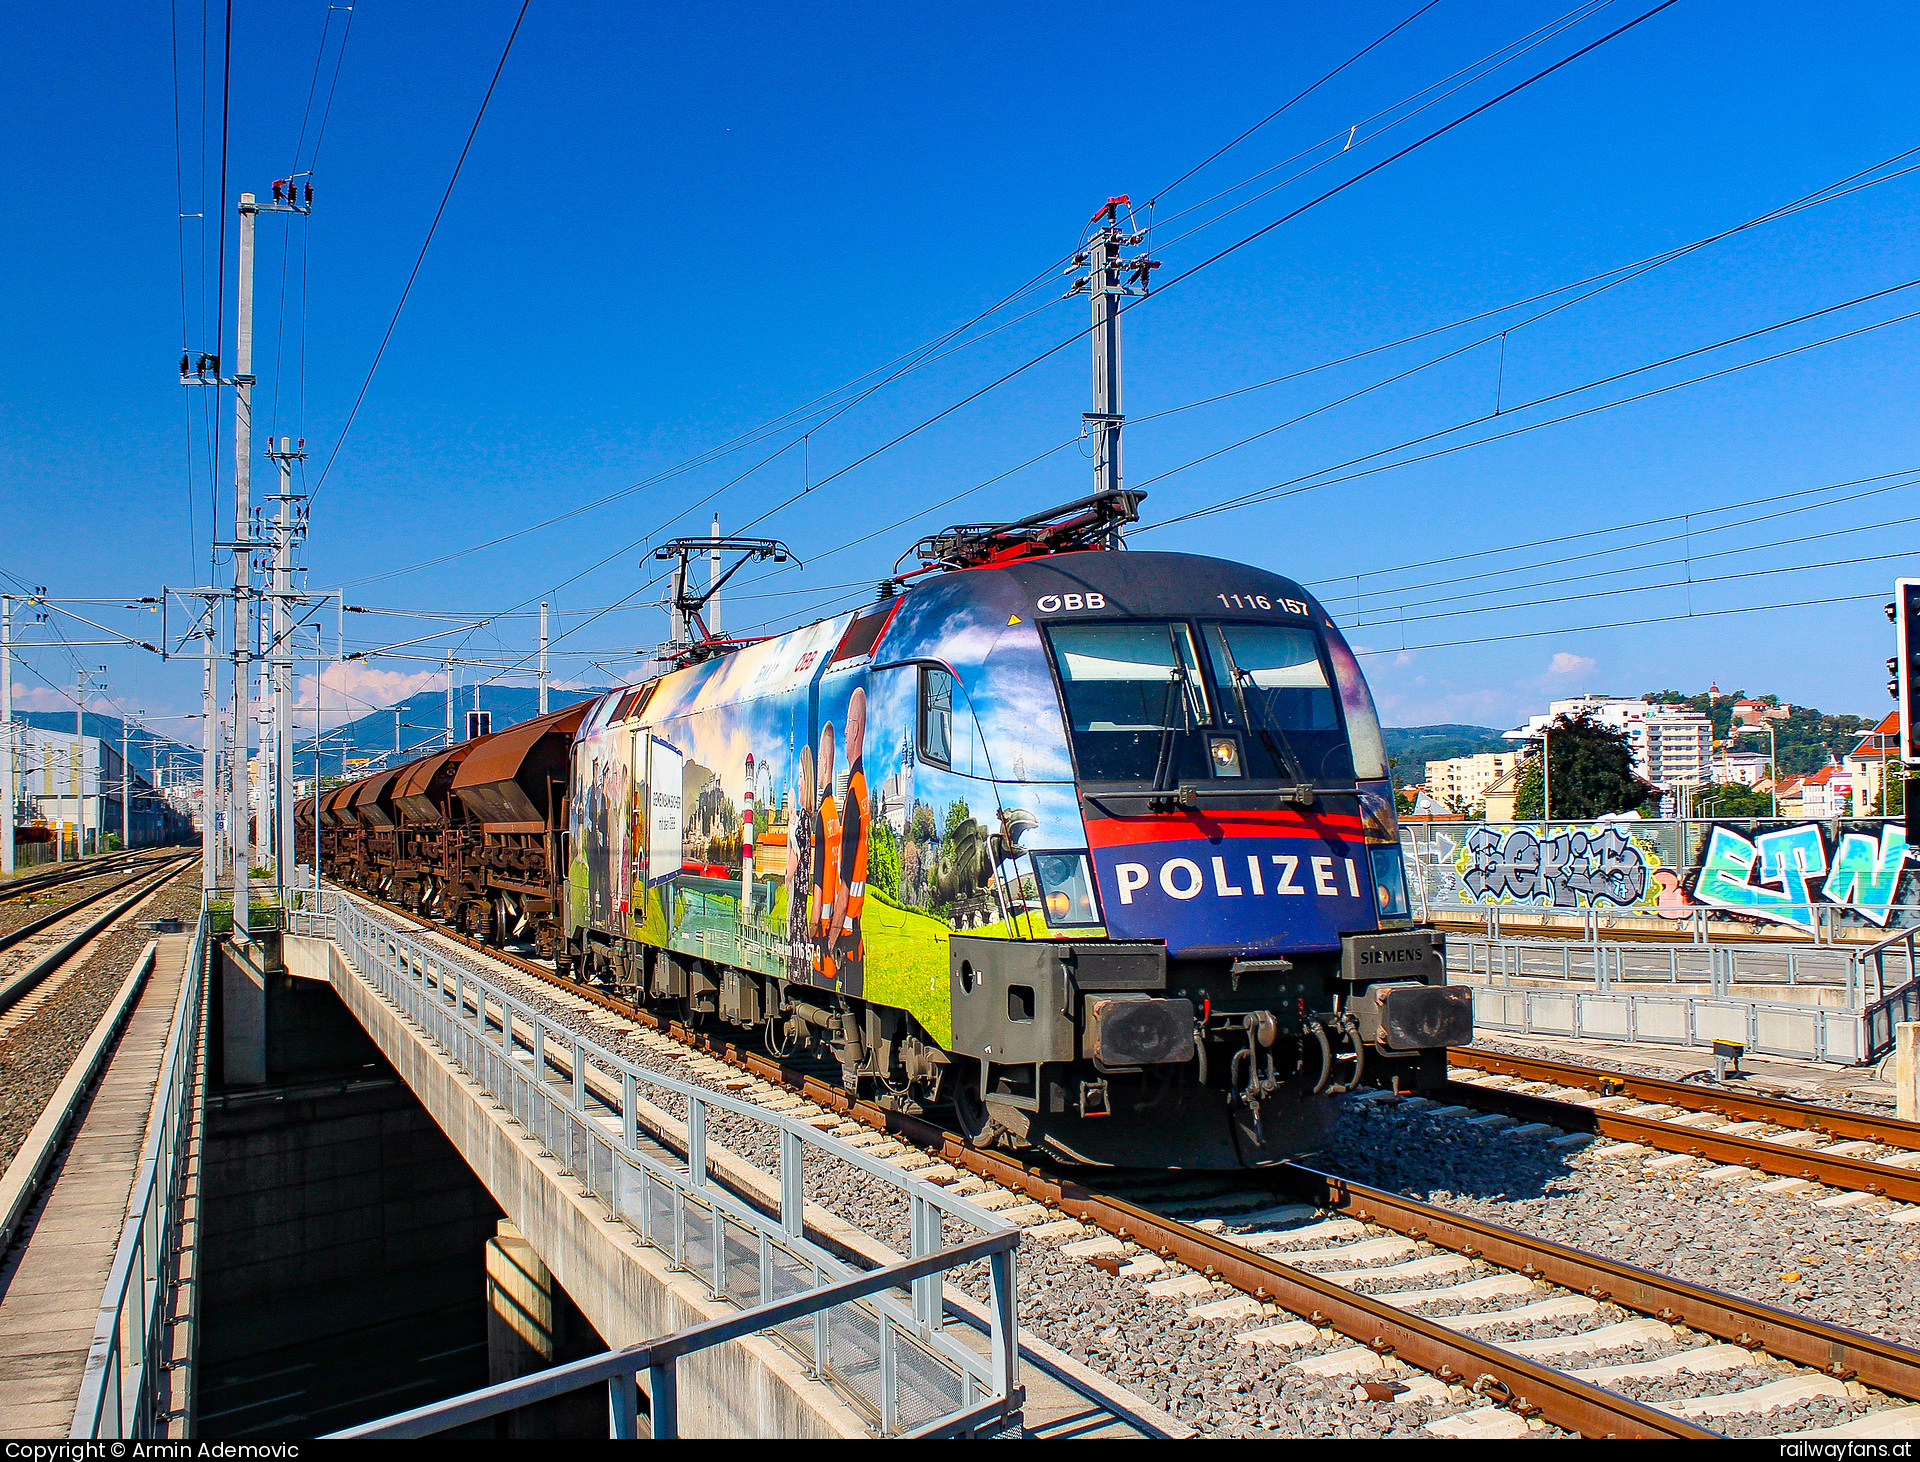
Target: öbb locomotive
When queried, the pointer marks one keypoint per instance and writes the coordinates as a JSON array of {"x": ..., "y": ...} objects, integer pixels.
[{"x": 1096, "y": 849}]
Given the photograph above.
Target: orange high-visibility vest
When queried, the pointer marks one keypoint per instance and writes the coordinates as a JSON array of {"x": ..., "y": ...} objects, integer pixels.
[{"x": 826, "y": 863}]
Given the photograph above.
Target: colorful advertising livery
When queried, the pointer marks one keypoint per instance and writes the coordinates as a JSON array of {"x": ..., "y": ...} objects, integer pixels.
[{"x": 1096, "y": 846}]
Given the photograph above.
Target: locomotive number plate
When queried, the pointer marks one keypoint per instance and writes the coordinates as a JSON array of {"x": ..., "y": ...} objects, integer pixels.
[{"x": 1418, "y": 954}]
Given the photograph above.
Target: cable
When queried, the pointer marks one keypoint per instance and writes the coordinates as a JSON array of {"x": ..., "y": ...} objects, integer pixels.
[
  {"x": 1609, "y": 280},
  {"x": 1290, "y": 488},
  {"x": 1650, "y": 588},
  {"x": 1626, "y": 623},
  {"x": 426, "y": 244},
  {"x": 1224, "y": 253},
  {"x": 1029, "y": 364},
  {"x": 1296, "y": 97},
  {"x": 1689, "y": 535}
]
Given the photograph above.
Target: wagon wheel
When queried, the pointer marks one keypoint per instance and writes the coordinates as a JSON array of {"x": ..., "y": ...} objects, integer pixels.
[{"x": 969, "y": 1111}]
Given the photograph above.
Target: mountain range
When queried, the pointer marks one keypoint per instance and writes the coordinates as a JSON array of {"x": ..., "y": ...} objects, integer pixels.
[
  {"x": 418, "y": 724},
  {"x": 145, "y": 749}
]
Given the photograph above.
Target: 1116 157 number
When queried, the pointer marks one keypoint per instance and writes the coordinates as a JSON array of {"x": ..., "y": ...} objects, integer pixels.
[{"x": 1262, "y": 601}]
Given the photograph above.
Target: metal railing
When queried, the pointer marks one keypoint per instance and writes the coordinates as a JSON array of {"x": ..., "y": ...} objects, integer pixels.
[
  {"x": 1772, "y": 1028},
  {"x": 619, "y": 1369},
  {"x": 1503, "y": 958},
  {"x": 653, "y": 1172},
  {"x": 122, "y": 1391}
]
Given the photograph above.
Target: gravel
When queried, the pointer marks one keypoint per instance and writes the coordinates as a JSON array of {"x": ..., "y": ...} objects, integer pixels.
[
  {"x": 1848, "y": 1268},
  {"x": 1845, "y": 1266},
  {"x": 35, "y": 1058}
]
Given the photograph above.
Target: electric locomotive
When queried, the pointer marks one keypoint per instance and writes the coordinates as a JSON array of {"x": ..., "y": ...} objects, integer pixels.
[{"x": 1096, "y": 847}]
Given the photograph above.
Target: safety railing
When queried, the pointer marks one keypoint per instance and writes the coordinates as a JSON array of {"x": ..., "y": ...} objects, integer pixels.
[
  {"x": 613, "y": 1126},
  {"x": 619, "y": 1369},
  {"x": 123, "y": 1389},
  {"x": 1772, "y": 1028},
  {"x": 1606, "y": 963}
]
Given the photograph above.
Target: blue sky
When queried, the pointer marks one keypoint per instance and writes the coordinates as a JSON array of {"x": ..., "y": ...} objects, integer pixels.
[{"x": 677, "y": 224}]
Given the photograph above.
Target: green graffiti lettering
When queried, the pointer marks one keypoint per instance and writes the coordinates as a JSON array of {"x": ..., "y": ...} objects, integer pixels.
[{"x": 1866, "y": 875}]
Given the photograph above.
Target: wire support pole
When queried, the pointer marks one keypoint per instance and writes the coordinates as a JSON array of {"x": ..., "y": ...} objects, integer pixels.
[
  {"x": 1109, "y": 280},
  {"x": 239, "y": 812},
  {"x": 286, "y": 529}
]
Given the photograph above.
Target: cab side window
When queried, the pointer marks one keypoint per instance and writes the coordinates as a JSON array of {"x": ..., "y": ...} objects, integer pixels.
[{"x": 936, "y": 716}]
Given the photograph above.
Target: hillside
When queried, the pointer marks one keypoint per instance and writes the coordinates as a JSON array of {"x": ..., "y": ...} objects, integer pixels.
[
  {"x": 145, "y": 749},
  {"x": 1806, "y": 739},
  {"x": 419, "y": 724},
  {"x": 1410, "y": 748}
]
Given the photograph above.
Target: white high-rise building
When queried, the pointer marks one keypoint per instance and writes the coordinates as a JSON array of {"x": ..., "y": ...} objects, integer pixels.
[{"x": 1672, "y": 745}]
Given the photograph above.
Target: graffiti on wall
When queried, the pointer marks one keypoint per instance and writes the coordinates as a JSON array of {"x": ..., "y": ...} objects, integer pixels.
[
  {"x": 1782, "y": 875},
  {"x": 1753, "y": 870},
  {"x": 1576, "y": 867}
]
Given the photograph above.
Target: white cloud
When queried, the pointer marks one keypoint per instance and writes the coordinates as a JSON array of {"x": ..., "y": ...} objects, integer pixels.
[
  {"x": 354, "y": 688},
  {"x": 43, "y": 698},
  {"x": 1564, "y": 663}
]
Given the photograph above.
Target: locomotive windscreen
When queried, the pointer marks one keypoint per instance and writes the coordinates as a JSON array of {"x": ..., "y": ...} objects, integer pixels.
[
  {"x": 1154, "y": 701},
  {"x": 1283, "y": 695}
]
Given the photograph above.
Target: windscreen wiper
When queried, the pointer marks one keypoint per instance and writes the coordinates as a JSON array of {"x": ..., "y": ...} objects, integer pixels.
[
  {"x": 1281, "y": 751},
  {"x": 1163, "y": 764}
]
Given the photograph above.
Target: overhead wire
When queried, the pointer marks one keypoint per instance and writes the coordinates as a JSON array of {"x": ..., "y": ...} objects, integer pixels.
[
  {"x": 1298, "y": 96},
  {"x": 1304, "y": 482},
  {"x": 1590, "y": 554},
  {"x": 426, "y": 244}
]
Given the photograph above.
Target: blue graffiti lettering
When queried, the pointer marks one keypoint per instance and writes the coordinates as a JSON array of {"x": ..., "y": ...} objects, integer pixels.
[{"x": 1866, "y": 876}]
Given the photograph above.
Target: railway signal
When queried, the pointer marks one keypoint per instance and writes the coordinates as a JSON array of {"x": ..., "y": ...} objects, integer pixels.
[{"x": 1904, "y": 611}]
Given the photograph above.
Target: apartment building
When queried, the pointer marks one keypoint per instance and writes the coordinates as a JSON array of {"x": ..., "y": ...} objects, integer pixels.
[
  {"x": 1463, "y": 780},
  {"x": 1672, "y": 746}
]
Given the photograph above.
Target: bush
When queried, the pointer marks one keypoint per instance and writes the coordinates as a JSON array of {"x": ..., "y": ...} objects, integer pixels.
[{"x": 113, "y": 842}]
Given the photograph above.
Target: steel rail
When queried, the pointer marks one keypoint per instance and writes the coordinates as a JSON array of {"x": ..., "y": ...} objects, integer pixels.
[
  {"x": 20, "y": 985},
  {"x": 1734, "y": 1105},
  {"x": 1504, "y": 1378},
  {"x": 1842, "y": 1353},
  {"x": 49, "y": 919},
  {"x": 1835, "y": 1170},
  {"x": 108, "y": 864}
]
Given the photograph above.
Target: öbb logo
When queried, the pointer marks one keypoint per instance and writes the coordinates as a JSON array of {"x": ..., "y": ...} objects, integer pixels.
[
  {"x": 1054, "y": 603},
  {"x": 1182, "y": 878}
]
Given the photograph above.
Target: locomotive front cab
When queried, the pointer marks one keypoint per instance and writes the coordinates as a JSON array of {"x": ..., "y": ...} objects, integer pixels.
[{"x": 1237, "y": 928}]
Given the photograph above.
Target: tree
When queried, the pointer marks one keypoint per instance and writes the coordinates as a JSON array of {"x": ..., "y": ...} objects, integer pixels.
[
  {"x": 1592, "y": 770},
  {"x": 1732, "y": 799},
  {"x": 883, "y": 859}
]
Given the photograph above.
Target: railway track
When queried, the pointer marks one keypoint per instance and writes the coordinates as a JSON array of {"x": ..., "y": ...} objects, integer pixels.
[
  {"x": 46, "y": 945},
  {"x": 74, "y": 872},
  {"x": 1229, "y": 1243},
  {"x": 1867, "y": 1156},
  {"x": 23, "y": 932}
]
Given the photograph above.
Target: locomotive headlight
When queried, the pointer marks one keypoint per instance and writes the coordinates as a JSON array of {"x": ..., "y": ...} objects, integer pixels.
[
  {"x": 1389, "y": 881},
  {"x": 1066, "y": 889},
  {"x": 1226, "y": 757}
]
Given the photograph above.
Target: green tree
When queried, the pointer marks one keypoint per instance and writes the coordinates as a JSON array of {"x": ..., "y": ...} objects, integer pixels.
[
  {"x": 1592, "y": 769},
  {"x": 1732, "y": 799},
  {"x": 883, "y": 860}
]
